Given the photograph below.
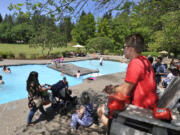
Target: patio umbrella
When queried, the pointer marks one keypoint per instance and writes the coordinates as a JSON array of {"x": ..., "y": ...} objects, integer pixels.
[
  {"x": 78, "y": 46},
  {"x": 163, "y": 52}
]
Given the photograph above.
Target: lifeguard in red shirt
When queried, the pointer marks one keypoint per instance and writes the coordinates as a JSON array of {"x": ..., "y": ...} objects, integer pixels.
[
  {"x": 144, "y": 93},
  {"x": 139, "y": 87}
]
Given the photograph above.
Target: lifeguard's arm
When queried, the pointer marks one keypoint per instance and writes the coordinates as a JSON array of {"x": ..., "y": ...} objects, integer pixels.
[{"x": 125, "y": 88}]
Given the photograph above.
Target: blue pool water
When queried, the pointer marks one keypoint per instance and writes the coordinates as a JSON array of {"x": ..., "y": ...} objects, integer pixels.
[{"x": 15, "y": 83}]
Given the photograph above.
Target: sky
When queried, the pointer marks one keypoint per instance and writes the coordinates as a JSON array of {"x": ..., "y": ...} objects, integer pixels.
[
  {"x": 90, "y": 7},
  {"x": 4, "y": 6},
  {"x": 5, "y": 3}
]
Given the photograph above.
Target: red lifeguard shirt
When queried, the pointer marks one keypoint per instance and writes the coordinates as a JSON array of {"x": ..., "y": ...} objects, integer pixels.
[{"x": 141, "y": 73}]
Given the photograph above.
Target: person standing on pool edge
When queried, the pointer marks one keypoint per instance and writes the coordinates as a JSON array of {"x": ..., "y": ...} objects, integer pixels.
[
  {"x": 101, "y": 61},
  {"x": 139, "y": 87}
]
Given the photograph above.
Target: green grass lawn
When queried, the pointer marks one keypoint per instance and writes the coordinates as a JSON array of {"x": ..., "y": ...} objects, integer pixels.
[{"x": 16, "y": 49}]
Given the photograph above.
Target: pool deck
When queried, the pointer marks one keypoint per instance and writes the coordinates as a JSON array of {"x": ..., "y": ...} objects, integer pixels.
[
  {"x": 48, "y": 61},
  {"x": 13, "y": 115}
]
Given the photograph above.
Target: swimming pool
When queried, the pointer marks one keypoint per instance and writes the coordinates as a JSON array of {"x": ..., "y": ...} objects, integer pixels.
[{"x": 15, "y": 83}]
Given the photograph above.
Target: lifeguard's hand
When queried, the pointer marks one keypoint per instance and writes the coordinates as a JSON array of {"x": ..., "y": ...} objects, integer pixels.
[{"x": 110, "y": 89}]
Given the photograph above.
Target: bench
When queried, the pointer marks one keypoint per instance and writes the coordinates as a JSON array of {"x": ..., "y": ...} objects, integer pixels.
[{"x": 139, "y": 121}]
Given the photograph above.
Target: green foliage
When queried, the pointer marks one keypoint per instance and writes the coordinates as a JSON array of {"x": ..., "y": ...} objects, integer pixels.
[
  {"x": 100, "y": 44},
  {"x": 1, "y": 19},
  {"x": 106, "y": 52},
  {"x": 56, "y": 55},
  {"x": 120, "y": 30},
  {"x": 3, "y": 55},
  {"x": 10, "y": 55},
  {"x": 84, "y": 29},
  {"x": 154, "y": 54},
  {"x": 22, "y": 56},
  {"x": 7, "y": 55},
  {"x": 47, "y": 37},
  {"x": 5, "y": 32},
  {"x": 34, "y": 56},
  {"x": 103, "y": 28},
  {"x": 66, "y": 27},
  {"x": 22, "y": 32},
  {"x": 118, "y": 52},
  {"x": 91, "y": 50},
  {"x": 171, "y": 32}
]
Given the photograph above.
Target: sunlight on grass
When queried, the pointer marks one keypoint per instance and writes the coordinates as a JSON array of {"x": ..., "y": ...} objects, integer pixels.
[{"x": 16, "y": 49}]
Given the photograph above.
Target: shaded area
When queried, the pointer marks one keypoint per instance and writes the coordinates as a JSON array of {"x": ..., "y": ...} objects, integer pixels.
[{"x": 56, "y": 124}]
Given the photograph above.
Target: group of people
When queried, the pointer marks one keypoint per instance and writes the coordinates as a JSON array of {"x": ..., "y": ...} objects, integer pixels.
[
  {"x": 164, "y": 73},
  {"x": 138, "y": 88},
  {"x": 37, "y": 98},
  {"x": 58, "y": 61},
  {"x": 6, "y": 69}
]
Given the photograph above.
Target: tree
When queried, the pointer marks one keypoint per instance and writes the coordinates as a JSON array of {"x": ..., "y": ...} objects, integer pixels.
[
  {"x": 5, "y": 32},
  {"x": 22, "y": 19},
  {"x": 66, "y": 27},
  {"x": 47, "y": 38},
  {"x": 38, "y": 20},
  {"x": 8, "y": 19},
  {"x": 100, "y": 44},
  {"x": 22, "y": 32},
  {"x": 53, "y": 8},
  {"x": 104, "y": 28},
  {"x": 84, "y": 29},
  {"x": 170, "y": 35},
  {"x": 162, "y": 28},
  {"x": 1, "y": 19}
]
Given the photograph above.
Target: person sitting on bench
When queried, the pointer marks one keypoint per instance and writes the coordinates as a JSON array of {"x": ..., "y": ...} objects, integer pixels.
[{"x": 139, "y": 87}]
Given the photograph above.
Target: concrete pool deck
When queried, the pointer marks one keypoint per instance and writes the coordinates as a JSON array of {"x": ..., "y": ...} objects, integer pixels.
[
  {"x": 13, "y": 115},
  {"x": 24, "y": 62}
]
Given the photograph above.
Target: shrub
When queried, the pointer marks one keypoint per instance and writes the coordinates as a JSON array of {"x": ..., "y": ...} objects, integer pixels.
[
  {"x": 34, "y": 56},
  {"x": 106, "y": 52},
  {"x": 100, "y": 44},
  {"x": 42, "y": 57},
  {"x": 10, "y": 55},
  {"x": 3, "y": 55},
  {"x": 22, "y": 55},
  {"x": 6, "y": 55},
  {"x": 67, "y": 54},
  {"x": 154, "y": 54},
  {"x": 83, "y": 51},
  {"x": 55, "y": 55},
  {"x": 91, "y": 50}
]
